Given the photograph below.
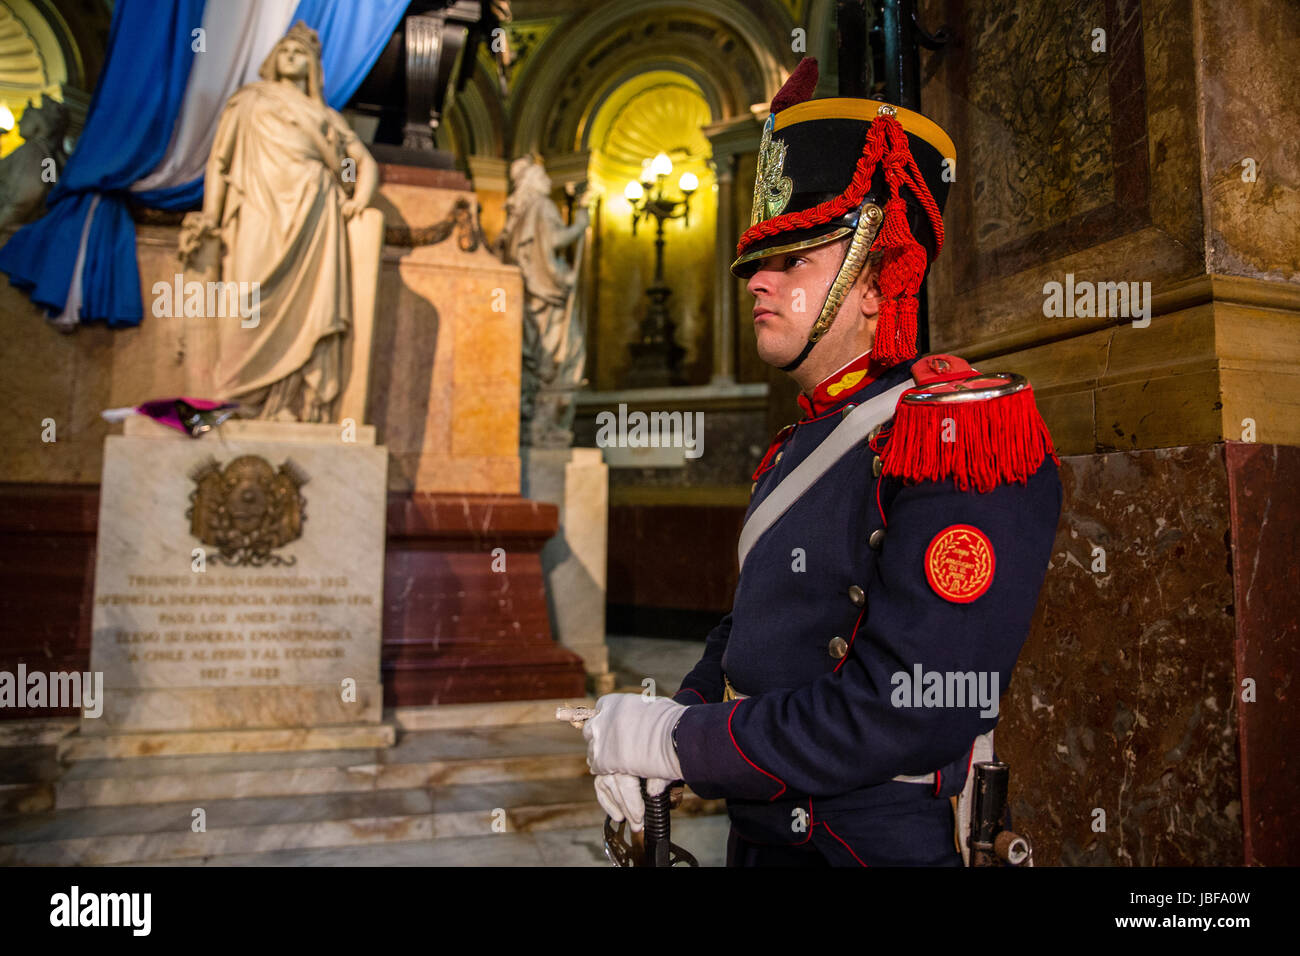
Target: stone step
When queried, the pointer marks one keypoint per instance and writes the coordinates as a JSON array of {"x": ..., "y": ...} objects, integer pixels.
[
  {"x": 496, "y": 713},
  {"x": 45, "y": 731},
  {"x": 703, "y": 836},
  {"x": 463, "y": 755},
  {"x": 26, "y": 797},
  {"x": 82, "y": 746},
  {"x": 27, "y": 779},
  {"x": 99, "y": 836},
  {"x": 35, "y": 732}
]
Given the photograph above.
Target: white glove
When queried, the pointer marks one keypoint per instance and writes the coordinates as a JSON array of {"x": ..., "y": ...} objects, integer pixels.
[
  {"x": 632, "y": 734},
  {"x": 620, "y": 796}
]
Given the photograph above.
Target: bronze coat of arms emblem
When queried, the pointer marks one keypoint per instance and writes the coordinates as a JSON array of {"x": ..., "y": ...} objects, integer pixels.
[{"x": 247, "y": 509}]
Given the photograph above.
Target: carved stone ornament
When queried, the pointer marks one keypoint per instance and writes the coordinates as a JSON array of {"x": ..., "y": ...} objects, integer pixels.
[
  {"x": 247, "y": 509},
  {"x": 460, "y": 220}
]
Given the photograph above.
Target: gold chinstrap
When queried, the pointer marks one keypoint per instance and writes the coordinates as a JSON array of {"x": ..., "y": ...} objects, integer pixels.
[{"x": 869, "y": 222}]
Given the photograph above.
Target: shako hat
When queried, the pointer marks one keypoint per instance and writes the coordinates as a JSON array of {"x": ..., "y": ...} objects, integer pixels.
[{"x": 839, "y": 167}]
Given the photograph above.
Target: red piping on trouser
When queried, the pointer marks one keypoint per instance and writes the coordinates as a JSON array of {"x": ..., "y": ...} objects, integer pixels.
[
  {"x": 693, "y": 691},
  {"x": 842, "y": 843},
  {"x": 813, "y": 824},
  {"x": 746, "y": 759}
]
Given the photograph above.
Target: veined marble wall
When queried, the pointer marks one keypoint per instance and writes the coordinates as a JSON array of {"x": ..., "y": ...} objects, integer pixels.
[
  {"x": 1141, "y": 141},
  {"x": 1147, "y": 722}
]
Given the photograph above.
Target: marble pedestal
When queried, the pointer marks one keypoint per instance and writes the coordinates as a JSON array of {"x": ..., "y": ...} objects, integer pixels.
[
  {"x": 444, "y": 403},
  {"x": 465, "y": 616},
  {"x": 207, "y": 647},
  {"x": 576, "y": 480}
]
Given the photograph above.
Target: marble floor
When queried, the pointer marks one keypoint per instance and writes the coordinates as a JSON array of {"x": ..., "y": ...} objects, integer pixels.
[
  {"x": 704, "y": 837},
  {"x": 420, "y": 803},
  {"x": 632, "y": 659}
]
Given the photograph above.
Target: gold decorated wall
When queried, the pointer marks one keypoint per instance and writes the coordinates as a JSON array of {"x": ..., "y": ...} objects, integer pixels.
[
  {"x": 595, "y": 88},
  {"x": 48, "y": 48},
  {"x": 1125, "y": 142},
  {"x": 655, "y": 112}
]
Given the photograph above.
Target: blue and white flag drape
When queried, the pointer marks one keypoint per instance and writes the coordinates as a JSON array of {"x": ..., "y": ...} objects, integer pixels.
[{"x": 150, "y": 128}]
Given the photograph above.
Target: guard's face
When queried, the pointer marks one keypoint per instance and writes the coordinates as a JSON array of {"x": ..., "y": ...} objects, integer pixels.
[{"x": 788, "y": 290}]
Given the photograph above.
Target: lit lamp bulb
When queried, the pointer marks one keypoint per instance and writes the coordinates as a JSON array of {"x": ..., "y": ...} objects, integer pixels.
[
  {"x": 688, "y": 183},
  {"x": 633, "y": 192},
  {"x": 6, "y": 119},
  {"x": 661, "y": 165}
]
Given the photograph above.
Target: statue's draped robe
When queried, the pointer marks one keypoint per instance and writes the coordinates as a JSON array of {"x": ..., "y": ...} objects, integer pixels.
[
  {"x": 283, "y": 228},
  {"x": 553, "y": 339}
]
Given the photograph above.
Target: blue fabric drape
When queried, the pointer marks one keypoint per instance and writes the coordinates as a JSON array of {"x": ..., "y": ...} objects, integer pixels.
[
  {"x": 352, "y": 36},
  {"x": 127, "y": 130},
  {"x": 133, "y": 110}
]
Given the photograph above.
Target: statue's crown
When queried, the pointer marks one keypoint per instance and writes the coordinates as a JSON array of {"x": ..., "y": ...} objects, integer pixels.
[{"x": 306, "y": 36}]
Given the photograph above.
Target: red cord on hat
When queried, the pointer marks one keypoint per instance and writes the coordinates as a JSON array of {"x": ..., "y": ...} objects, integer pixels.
[{"x": 905, "y": 260}]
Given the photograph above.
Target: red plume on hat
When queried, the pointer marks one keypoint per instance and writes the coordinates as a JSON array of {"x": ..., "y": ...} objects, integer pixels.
[{"x": 799, "y": 87}]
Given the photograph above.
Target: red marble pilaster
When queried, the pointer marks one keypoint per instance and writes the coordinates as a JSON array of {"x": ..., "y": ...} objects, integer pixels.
[
  {"x": 465, "y": 616},
  {"x": 1264, "y": 495},
  {"x": 47, "y": 571}
]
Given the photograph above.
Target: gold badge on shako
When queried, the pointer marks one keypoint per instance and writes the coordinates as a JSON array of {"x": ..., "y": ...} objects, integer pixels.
[
  {"x": 247, "y": 509},
  {"x": 771, "y": 190}
]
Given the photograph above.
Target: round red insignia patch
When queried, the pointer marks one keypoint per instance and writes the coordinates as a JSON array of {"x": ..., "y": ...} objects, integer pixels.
[{"x": 959, "y": 563}]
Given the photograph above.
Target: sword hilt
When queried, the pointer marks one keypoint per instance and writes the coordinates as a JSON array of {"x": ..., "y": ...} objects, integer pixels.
[{"x": 654, "y": 846}]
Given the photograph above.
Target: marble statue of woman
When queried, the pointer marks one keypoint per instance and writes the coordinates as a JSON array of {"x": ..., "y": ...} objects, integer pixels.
[
  {"x": 285, "y": 175},
  {"x": 534, "y": 238}
]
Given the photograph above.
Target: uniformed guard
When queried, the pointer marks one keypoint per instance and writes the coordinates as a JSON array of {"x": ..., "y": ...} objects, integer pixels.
[{"x": 897, "y": 537}]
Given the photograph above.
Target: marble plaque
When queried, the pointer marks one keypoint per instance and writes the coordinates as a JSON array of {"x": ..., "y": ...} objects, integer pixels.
[{"x": 239, "y": 579}]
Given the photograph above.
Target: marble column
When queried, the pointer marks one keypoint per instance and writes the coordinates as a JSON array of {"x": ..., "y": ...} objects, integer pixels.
[
  {"x": 729, "y": 139},
  {"x": 576, "y": 481},
  {"x": 568, "y": 169},
  {"x": 491, "y": 185},
  {"x": 724, "y": 326}
]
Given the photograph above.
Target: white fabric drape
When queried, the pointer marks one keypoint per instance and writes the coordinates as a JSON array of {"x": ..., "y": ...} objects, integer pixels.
[
  {"x": 239, "y": 34},
  {"x": 70, "y": 317}
]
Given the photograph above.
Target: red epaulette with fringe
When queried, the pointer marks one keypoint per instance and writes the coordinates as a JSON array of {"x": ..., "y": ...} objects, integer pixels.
[{"x": 979, "y": 430}]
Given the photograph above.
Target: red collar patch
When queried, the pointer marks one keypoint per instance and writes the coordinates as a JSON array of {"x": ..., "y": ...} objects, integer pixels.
[{"x": 853, "y": 377}]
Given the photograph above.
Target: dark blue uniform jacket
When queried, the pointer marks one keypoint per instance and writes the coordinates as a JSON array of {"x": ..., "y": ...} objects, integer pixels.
[{"x": 812, "y": 752}]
